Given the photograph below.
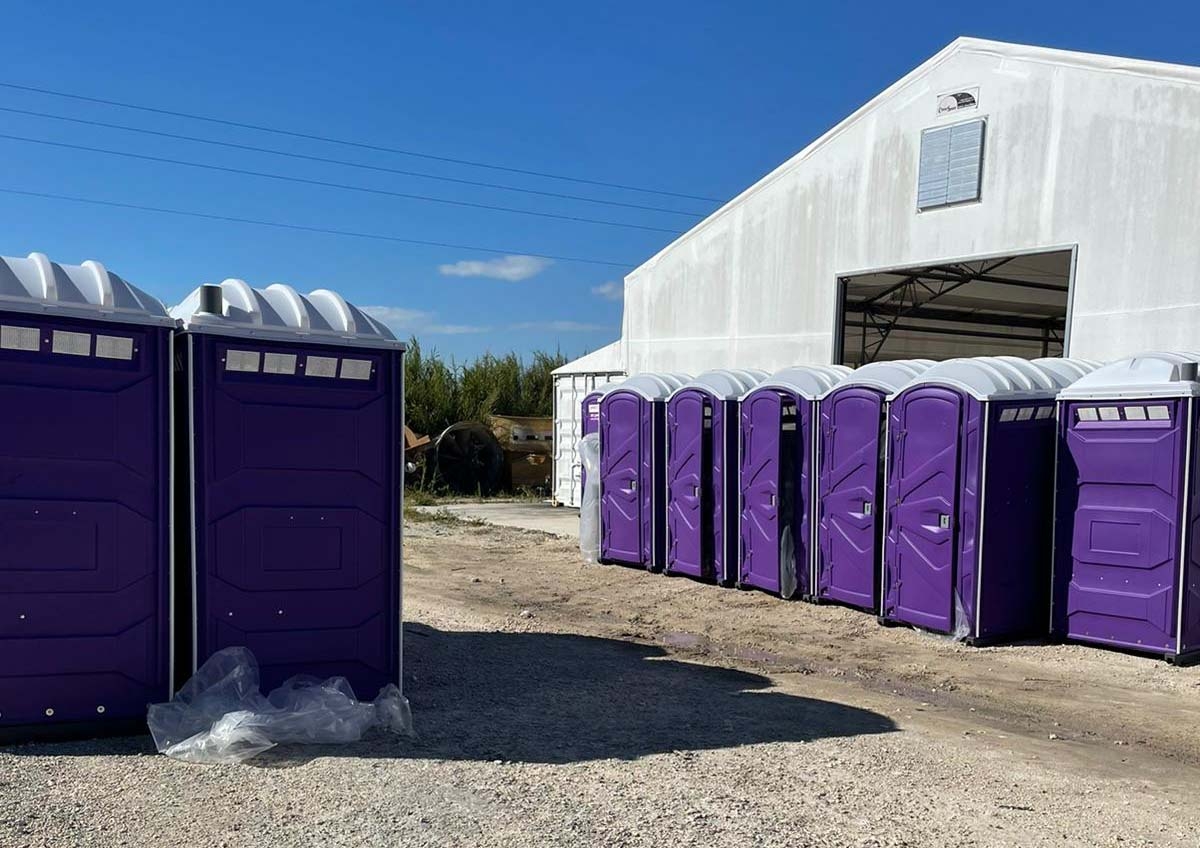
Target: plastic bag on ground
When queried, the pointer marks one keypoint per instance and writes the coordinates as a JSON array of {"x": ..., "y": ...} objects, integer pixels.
[
  {"x": 221, "y": 715},
  {"x": 589, "y": 510}
]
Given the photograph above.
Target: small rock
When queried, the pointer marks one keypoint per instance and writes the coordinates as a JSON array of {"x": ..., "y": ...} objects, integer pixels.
[
  {"x": 526, "y": 614},
  {"x": 476, "y": 580},
  {"x": 1053, "y": 736}
]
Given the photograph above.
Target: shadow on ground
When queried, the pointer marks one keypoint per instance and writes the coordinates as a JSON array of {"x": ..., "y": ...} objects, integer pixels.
[{"x": 561, "y": 698}]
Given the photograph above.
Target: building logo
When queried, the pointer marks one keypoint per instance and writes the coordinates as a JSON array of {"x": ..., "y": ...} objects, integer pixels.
[{"x": 958, "y": 101}]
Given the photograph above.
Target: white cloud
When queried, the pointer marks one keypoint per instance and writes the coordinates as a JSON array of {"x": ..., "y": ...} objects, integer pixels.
[
  {"x": 609, "y": 290},
  {"x": 455, "y": 329},
  {"x": 509, "y": 268},
  {"x": 403, "y": 320},
  {"x": 397, "y": 317},
  {"x": 560, "y": 326}
]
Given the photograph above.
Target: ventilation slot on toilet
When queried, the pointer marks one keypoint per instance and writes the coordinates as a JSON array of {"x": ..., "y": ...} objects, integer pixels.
[
  {"x": 321, "y": 366},
  {"x": 20, "y": 338}
]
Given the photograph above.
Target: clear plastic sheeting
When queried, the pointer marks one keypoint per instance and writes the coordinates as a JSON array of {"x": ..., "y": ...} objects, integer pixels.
[
  {"x": 221, "y": 715},
  {"x": 589, "y": 509},
  {"x": 962, "y": 624}
]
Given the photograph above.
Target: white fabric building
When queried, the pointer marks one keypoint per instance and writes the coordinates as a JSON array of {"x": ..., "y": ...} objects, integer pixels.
[{"x": 999, "y": 199}]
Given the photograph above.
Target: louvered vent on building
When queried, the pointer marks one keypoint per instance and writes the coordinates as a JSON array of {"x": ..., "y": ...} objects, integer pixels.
[{"x": 951, "y": 165}]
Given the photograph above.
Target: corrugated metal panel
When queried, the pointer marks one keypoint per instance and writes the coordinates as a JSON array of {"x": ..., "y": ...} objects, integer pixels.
[
  {"x": 951, "y": 164},
  {"x": 569, "y": 391}
]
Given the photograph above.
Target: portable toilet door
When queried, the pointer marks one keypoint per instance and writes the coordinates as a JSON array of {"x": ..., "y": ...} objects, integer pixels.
[
  {"x": 296, "y": 441},
  {"x": 969, "y": 492},
  {"x": 775, "y": 457},
  {"x": 85, "y": 500},
  {"x": 633, "y": 470},
  {"x": 589, "y": 418},
  {"x": 1125, "y": 566},
  {"x": 702, "y": 468},
  {"x": 850, "y": 461}
]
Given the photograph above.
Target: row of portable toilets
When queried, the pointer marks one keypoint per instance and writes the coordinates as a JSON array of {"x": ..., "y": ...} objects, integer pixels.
[
  {"x": 171, "y": 484},
  {"x": 991, "y": 498}
]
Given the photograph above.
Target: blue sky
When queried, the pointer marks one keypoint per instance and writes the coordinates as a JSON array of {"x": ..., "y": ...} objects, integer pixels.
[{"x": 698, "y": 98}]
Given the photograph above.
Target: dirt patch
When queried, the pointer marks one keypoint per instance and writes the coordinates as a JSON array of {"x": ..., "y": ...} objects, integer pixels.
[{"x": 564, "y": 704}]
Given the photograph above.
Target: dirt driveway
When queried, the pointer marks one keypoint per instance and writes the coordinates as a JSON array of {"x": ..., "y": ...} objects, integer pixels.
[{"x": 563, "y": 704}]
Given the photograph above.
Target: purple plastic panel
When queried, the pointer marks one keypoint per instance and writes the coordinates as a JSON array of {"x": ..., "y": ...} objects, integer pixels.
[
  {"x": 923, "y": 496},
  {"x": 297, "y": 511},
  {"x": 1118, "y": 531},
  {"x": 1015, "y": 550},
  {"x": 761, "y": 419},
  {"x": 590, "y": 419},
  {"x": 590, "y": 413},
  {"x": 622, "y": 489},
  {"x": 84, "y": 526},
  {"x": 850, "y": 496},
  {"x": 689, "y": 484}
]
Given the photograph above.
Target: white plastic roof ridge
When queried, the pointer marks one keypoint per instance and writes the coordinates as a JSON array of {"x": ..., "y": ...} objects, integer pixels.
[
  {"x": 866, "y": 375},
  {"x": 737, "y": 381},
  {"x": 1123, "y": 380},
  {"x": 31, "y": 285},
  {"x": 650, "y": 385},
  {"x": 1007, "y": 376},
  {"x": 823, "y": 377},
  {"x": 280, "y": 313},
  {"x": 1070, "y": 369},
  {"x": 602, "y": 389}
]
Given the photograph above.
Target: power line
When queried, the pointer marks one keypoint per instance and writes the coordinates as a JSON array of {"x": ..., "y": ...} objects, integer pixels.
[
  {"x": 349, "y": 143},
  {"x": 325, "y": 184},
  {"x": 301, "y": 227},
  {"x": 343, "y": 162}
]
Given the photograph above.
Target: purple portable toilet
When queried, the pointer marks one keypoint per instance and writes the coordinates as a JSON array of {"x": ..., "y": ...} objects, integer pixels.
[
  {"x": 702, "y": 489},
  {"x": 85, "y": 500},
  {"x": 1126, "y": 568},
  {"x": 296, "y": 454},
  {"x": 969, "y": 487},
  {"x": 850, "y": 450},
  {"x": 633, "y": 470},
  {"x": 775, "y": 458},
  {"x": 589, "y": 417}
]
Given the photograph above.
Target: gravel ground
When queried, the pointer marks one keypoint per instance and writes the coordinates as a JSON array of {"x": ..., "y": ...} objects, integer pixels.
[{"x": 561, "y": 704}]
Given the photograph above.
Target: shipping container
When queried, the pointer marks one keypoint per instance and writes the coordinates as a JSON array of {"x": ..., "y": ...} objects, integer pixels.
[{"x": 574, "y": 384}]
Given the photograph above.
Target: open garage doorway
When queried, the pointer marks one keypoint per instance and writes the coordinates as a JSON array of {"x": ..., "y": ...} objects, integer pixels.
[{"x": 1013, "y": 305}]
